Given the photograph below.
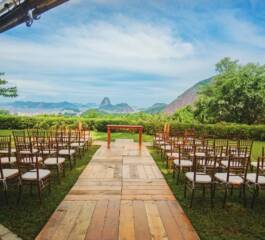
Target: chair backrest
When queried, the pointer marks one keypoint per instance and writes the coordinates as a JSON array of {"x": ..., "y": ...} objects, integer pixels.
[
  {"x": 4, "y": 146},
  {"x": 237, "y": 163},
  {"x": 260, "y": 166}
]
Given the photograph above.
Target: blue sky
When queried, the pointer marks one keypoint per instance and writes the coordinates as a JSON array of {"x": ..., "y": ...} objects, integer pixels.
[{"x": 140, "y": 52}]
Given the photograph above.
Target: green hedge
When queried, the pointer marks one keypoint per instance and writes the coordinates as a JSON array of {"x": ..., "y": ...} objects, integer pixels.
[{"x": 222, "y": 130}]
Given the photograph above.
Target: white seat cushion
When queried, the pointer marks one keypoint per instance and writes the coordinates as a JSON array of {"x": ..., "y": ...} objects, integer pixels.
[
  {"x": 5, "y": 151},
  {"x": 166, "y": 147},
  {"x": 6, "y": 160},
  {"x": 45, "y": 152},
  {"x": 32, "y": 175},
  {"x": 9, "y": 173},
  {"x": 34, "y": 151},
  {"x": 200, "y": 177},
  {"x": 173, "y": 155},
  {"x": 183, "y": 163},
  {"x": 76, "y": 144},
  {"x": 251, "y": 177},
  {"x": 53, "y": 161},
  {"x": 67, "y": 152},
  {"x": 233, "y": 179},
  {"x": 198, "y": 154}
]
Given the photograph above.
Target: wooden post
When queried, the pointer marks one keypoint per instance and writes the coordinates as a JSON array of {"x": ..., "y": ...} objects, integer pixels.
[{"x": 109, "y": 137}]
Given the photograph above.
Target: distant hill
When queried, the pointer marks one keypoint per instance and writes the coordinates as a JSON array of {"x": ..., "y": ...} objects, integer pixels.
[
  {"x": 156, "y": 108},
  {"x": 44, "y": 107},
  {"x": 107, "y": 107},
  {"x": 186, "y": 98}
]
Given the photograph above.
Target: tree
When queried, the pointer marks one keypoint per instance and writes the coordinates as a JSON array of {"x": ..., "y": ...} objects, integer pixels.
[
  {"x": 6, "y": 91},
  {"x": 236, "y": 94},
  {"x": 184, "y": 114}
]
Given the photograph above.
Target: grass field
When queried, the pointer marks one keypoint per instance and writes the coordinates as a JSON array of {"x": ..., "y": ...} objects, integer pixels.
[{"x": 235, "y": 222}]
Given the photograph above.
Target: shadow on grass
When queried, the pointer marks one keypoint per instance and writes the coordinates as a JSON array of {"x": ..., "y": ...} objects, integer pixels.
[
  {"x": 235, "y": 222},
  {"x": 28, "y": 218}
]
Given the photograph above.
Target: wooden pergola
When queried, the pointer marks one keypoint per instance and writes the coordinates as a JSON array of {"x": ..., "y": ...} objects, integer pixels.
[{"x": 15, "y": 12}]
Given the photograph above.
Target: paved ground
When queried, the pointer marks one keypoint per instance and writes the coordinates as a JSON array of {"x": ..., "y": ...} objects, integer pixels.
[
  {"x": 121, "y": 194},
  {"x": 5, "y": 234}
]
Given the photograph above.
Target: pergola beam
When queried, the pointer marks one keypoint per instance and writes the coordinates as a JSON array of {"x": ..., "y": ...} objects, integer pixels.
[{"x": 25, "y": 11}]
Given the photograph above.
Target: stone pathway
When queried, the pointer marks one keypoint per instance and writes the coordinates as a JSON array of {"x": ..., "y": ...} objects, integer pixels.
[
  {"x": 5, "y": 234},
  {"x": 121, "y": 194}
]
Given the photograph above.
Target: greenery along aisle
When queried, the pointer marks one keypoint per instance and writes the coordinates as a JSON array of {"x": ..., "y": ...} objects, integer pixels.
[{"x": 27, "y": 218}]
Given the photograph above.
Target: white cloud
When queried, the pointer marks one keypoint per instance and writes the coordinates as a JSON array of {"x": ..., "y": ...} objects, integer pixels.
[{"x": 84, "y": 62}]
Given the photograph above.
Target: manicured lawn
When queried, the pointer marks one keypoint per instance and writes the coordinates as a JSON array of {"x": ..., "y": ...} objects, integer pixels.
[
  {"x": 234, "y": 222},
  {"x": 27, "y": 218}
]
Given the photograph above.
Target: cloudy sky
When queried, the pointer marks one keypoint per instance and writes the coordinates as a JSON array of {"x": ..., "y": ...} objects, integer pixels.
[{"x": 134, "y": 51}]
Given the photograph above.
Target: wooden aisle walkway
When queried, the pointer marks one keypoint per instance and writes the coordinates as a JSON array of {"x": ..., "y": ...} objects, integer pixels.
[{"x": 121, "y": 194}]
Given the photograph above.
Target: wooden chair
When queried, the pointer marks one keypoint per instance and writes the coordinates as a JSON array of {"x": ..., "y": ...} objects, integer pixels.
[
  {"x": 254, "y": 165},
  {"x": 66, "y": 151},
  {"x": 173, "y": 154},
  {"x": 202, "y": 174},
  {"x": 7, "y": 154},
  {"x": 76, "y": 142},
  {"x": 28, "y": 151},
  {"x": 184, "y": 162},
  {"x": 234, "y": 175},
  {"x": 8, "y": 175},
  {"x": 30, "y": 165},
  {"x": 256, "y": 181},
  {"x": 53, "y": 160}
]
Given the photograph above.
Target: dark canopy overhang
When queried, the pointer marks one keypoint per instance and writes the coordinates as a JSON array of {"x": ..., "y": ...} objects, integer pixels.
[{"x": 15, "y": 12}]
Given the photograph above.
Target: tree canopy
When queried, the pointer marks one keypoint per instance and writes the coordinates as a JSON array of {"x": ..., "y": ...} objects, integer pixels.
[
  {"x": 236, "y": 94},
  {"x": 6, "y": 91}
]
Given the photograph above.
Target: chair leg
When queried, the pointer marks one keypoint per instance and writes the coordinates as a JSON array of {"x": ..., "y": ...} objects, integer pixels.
[
  {"x": 231, "y": 190},
  {"x": 192, "y": 196},
  {"x": 6, "y": 196},
  {"x": 20, "y": 189},
  {"x": 185, "y": 189},
  {"x": 178, "y": 176},
  {"x": 39, "y": 192},
  {"x": 244, "y": 194},
  {"x": 225, "y": 196},
  {"x": 255, "y": 194},
  {"x": 63, "y": 169},
  {"x": 212, "y": 194},
  {"x": 58, "y": 173},
  {"x": 203, "y": 191}
]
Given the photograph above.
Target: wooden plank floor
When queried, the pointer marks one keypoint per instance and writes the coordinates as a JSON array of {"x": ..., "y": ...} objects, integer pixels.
[{"x": 121, "y": 194}]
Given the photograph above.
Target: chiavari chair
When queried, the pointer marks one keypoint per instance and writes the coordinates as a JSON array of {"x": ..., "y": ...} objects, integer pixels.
[
  {"x": 7, "y": 175},
  {"x": 235, "y": 170},
  {"x": 7, "y": 153},
  {"x": 256, "y": 181}
]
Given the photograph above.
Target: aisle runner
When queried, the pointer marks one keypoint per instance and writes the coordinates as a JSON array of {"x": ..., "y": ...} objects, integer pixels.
[{"x": 121, "y": 194}]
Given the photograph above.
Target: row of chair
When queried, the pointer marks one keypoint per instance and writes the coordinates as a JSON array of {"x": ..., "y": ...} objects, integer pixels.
[
  {"x": 29, "y": 157},
  {"x": 208, "y": 162}
]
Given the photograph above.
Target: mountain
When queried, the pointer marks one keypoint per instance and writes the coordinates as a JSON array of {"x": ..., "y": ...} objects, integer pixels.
[
  {"x": 156, "y": 108},
  {"x": 105, "y": 102},
  {"x": 186, "y": 98},
  {"x": 31, "y": 107},
  {"x": 106, "y": 106}
]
